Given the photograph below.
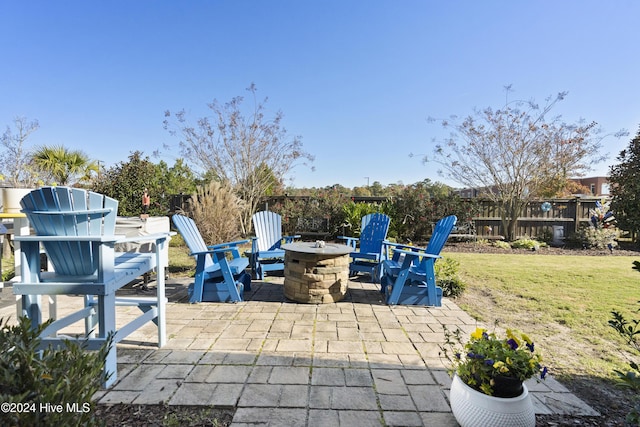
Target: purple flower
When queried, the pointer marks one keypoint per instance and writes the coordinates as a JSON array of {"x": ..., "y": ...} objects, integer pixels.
[
  {"x": 512, "y": 343},
  {"x": 544, "y": 372},
  {"x": 488, "y": 362},
  {"x": 530, "y": 347}
]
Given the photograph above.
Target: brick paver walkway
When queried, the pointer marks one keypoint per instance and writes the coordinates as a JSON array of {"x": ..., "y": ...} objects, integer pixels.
[{"x": 357, "y": 362}]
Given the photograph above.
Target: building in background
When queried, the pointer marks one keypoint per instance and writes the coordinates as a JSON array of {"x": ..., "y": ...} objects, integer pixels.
[{"x": 598, "y": 185}]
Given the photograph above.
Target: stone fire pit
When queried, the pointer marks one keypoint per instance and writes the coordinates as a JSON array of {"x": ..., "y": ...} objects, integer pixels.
[{"x": 316, "y": 273}]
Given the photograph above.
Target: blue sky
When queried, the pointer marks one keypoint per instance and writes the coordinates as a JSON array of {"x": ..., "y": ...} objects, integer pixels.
[{"x": 355, "y": 79}]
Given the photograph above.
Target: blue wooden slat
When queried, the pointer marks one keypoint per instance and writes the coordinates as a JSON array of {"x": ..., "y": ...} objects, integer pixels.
[
  {"x": 80, "y": 253},
  {"x": 41, "y": 200},
  {"x": 216, "y": 278},
  {"x": 412, "y": 279},
  {"x": 370, "y": 253},
  {"x": 77, "y": 228},
  {"x": 268, "y": 228}
]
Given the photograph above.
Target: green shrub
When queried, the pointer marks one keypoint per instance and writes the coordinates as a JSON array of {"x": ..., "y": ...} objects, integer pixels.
[
  {"x": 52, "y": 387},
  {"x": 630, "y": 331},
  {"x": 9, "y": 273},
  {"x": 502, "y": 244},
  {"x": 546, "y": 236},
  {"x": 324, "y": 204},
  {"x": 599, "y": 238},
  {"x": 601, "y": 233},
  {"x": 8, "y": 265},
  {"x": 527, "y": 243},
  {"x": 354, "y": 212},
  {"x": 447, "y": 277}
]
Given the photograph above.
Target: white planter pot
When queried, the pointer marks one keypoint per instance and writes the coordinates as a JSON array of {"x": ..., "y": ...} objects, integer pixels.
[
  {"x": 474, "y": 409},
  {"x": 11, "y": 199}
]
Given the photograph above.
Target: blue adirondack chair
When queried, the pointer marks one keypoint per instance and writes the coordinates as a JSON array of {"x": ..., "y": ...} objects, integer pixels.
[
  {"x": 76, "y": 228},
  {"x": 220, "y": 270},
  {"x": 409, "y": 276},
  {"x": 369, "y": 249},
  {"x": 266, "y": 254}
]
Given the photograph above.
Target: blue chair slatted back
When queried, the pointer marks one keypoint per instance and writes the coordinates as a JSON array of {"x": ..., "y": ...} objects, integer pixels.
[
  {"x": 268, "y": 228},
  {"x": 192, "y": 237},
  {"x": 441, "y": 234},
  {"x": 64, "y": 211},
  {"x": 374, "y": 231}
]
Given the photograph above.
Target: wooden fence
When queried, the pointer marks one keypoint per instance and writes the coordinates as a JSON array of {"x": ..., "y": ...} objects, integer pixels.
[{"x": 565, "y": 217}]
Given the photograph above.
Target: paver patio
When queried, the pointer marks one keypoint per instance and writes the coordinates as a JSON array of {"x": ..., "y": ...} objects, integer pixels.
[{"x": 357, "y": 362}]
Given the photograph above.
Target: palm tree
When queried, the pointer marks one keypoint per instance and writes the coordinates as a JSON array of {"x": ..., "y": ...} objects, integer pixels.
[{"x": 63, "y": 165}]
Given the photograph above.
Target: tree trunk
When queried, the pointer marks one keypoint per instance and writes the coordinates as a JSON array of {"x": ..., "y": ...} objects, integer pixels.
[{"x": 509, "y": 214}]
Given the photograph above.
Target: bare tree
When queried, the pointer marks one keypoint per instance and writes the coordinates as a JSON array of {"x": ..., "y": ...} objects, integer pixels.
[
  {"x": 15, "y": 159},
  {"x": 251, "y": 153},
  {"x": 517, "y": 153}
]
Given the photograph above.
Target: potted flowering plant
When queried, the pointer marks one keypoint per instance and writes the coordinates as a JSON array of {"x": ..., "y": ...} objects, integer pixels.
[
  {"x": 488, "y": 377},
  {"x": 490, "y": 364}
]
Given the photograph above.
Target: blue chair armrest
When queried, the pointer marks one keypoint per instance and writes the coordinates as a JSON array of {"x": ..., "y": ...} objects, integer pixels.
[
  {"x": 350, "y": 241},
  {"x": 417, "y": 254},
  {"x": 228, "y": 247},
  {"x": 289, "y": 239},
  {"x": 228, "y": 244},
  {"x": 215, "y": 251},
  {"x": 401, "y": 246},
  {"x": 396, "y": 249}
]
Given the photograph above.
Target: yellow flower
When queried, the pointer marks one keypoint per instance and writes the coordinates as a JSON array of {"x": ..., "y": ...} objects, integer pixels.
[
  {"x": 500, "y": 366},
  {"x": 508, "y": 361},
  {"x": 526, "y": 339},
  {"x": 477, "y": 334}
]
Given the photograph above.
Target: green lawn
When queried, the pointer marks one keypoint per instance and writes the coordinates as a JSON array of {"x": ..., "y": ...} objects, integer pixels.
[
  {"x": 562, "y": 301},
  {"x": 180, "y": 262}
]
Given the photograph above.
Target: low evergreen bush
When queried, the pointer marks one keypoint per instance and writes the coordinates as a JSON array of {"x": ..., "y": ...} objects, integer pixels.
[
  {"x": 629, "y": 330},
  {"x": 52, "y": 387},
  {"x": 601, "y": 233},
  {"x": 502, "y": 244},
  {"x": 447, "y": 277},
  {"x": 527, "y": 243}
]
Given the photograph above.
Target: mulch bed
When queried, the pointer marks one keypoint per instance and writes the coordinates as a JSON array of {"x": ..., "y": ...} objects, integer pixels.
[
  {"x": 623, "y": 249},
  {"x": 163, "y": 415}
]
